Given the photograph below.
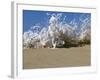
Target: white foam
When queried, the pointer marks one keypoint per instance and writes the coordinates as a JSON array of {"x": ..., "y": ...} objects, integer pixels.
[{"x": 54, "y": 30}]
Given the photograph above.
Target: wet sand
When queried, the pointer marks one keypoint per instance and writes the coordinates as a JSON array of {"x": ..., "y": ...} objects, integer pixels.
[{"x": 59, "y": 57}]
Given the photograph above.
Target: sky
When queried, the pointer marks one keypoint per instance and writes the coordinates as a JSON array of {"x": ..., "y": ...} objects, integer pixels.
[{"x": 32, "y": 18}]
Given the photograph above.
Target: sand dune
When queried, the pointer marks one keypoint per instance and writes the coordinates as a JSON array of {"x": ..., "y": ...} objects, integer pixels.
[{"x": 60, "y": 57}]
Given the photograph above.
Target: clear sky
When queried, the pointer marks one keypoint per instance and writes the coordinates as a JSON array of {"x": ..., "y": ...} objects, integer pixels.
[{"x": 32, "y": 18}]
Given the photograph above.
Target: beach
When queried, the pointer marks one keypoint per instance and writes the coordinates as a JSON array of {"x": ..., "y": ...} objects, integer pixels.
[{"x": 56, "y": 58}]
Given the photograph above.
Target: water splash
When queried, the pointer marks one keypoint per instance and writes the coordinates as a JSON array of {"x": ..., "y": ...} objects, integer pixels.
[{"x": 57, "y": 30}]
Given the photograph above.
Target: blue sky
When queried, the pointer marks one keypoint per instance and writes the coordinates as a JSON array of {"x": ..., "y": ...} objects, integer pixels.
[{"x": 32, "y": 18}]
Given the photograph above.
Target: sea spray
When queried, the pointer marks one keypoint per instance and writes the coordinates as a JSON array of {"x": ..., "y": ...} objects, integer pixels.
[{"x": 57, "y": 33}]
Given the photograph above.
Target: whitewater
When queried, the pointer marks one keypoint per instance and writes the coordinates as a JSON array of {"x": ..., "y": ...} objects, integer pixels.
[{"x": 56, "y": 32}]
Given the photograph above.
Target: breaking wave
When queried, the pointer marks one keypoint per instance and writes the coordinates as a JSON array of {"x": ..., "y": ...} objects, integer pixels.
[{"x": 58, "y": 32}]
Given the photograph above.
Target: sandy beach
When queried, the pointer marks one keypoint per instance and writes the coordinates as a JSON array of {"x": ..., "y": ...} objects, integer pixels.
[{"x": 59, "y": 57}]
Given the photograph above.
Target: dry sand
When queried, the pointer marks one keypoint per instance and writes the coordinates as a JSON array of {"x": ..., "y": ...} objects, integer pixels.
[{"x": 60, "y": 57}]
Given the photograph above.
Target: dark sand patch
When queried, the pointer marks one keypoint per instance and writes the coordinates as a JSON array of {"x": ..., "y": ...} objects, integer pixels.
[{"x": 61, "y": 57}]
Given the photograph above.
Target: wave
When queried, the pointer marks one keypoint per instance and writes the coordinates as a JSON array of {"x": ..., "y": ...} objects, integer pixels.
[{"x": 57, "y": 32}]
